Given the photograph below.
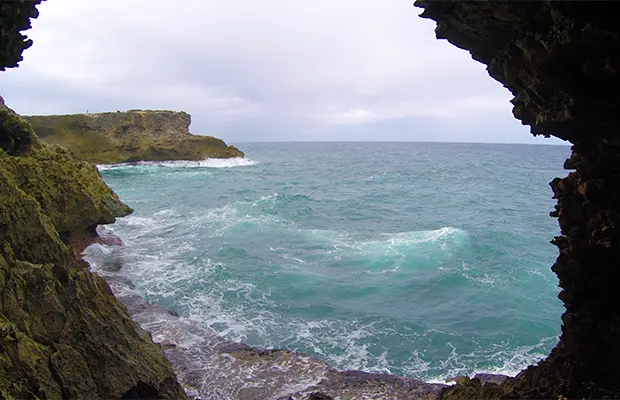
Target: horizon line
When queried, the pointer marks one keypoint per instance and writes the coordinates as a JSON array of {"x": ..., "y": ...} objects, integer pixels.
[{"x": 567, "y": 144}]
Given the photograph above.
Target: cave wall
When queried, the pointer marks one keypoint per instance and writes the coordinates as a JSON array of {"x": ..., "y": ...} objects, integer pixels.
[
  {"x": 14, "y": 18},
  {"x": 560, "y": 60}
]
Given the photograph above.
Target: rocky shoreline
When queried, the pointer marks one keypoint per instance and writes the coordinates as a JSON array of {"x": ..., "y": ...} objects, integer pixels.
[{"x": 209, "y": 366}]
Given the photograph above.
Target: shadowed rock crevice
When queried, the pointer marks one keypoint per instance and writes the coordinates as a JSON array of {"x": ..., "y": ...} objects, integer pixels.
[
  {"x": 142, "y": 391},
  {"x": 561, "y": 60}
]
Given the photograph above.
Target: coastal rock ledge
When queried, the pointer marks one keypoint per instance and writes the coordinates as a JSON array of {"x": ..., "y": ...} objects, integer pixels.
[{"x": 134, "y": 135}]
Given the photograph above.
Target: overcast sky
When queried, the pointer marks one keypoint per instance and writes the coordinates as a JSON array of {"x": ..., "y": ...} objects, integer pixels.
[{"x": 263, "y": 70}]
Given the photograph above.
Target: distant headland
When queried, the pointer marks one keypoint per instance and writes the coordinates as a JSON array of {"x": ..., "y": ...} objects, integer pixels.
[{"x": 134, "y": 135}]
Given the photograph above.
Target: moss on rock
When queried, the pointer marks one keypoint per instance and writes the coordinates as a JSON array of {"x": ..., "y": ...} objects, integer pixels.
[
  {"x": 62, "y": 332},
  {"x": 135, "y": 135}
]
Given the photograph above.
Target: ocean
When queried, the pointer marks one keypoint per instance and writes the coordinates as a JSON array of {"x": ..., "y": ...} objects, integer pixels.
[{"x": 426, "y": 260}]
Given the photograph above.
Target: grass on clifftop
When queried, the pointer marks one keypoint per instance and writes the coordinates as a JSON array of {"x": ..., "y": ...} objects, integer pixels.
[{"x": 136, "y": 135}]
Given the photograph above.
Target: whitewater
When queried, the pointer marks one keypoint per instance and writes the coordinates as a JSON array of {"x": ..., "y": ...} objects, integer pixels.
[{"x": 422, "y": 260}]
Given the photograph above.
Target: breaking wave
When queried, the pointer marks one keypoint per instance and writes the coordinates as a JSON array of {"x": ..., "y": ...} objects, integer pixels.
[
  {"x": 206, "y": 163},
  {"x": 416, "y": 272}
]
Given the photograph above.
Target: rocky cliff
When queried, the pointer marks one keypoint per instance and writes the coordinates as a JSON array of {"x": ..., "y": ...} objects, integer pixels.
[
  {"x": 561, "y": 61},
  {"x": 135, "y": 135},
  {"x": 62, "y": 332}
]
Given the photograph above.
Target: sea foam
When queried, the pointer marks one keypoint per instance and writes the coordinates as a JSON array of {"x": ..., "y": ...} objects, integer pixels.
[
  {"x": 418, "y": 272},
  {"x": 206, "y": 163}
]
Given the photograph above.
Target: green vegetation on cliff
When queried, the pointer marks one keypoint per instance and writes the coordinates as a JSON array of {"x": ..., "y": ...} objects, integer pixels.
[
  {"x": 62, "y": 332},
  {"x": 135, "y": 135}
]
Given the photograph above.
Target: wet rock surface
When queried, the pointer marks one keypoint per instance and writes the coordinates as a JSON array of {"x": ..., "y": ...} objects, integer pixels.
[{"x": 561, "y": 62}]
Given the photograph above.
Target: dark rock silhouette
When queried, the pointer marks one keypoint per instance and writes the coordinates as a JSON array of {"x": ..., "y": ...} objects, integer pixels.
[{"x": 560, "y": 59}]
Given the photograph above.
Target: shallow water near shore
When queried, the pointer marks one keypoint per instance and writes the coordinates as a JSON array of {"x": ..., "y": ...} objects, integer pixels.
[{"x": 417, "y": 259}]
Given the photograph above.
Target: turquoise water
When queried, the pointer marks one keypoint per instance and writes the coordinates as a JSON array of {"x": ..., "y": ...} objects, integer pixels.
[{"x": 425, "y": 260}]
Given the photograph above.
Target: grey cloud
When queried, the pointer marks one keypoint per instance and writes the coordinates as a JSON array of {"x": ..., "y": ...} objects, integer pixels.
[{"x": 263, "y": 70}]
